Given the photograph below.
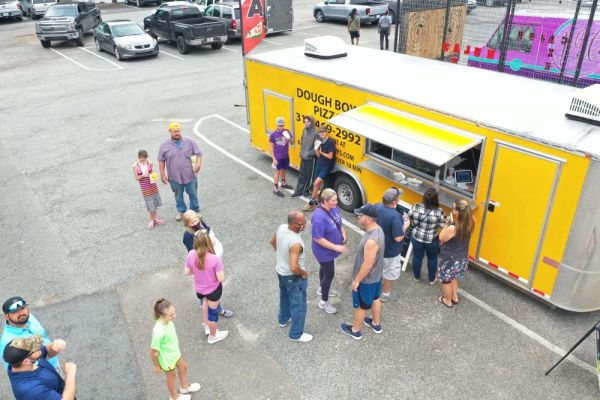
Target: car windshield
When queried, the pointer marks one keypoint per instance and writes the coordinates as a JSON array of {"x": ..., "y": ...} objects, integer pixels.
[
  {"x": 126, "y": 30},
  {"x": 62, "y": 11}
]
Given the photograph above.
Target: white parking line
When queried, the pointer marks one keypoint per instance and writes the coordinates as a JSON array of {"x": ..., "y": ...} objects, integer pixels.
[
  {"x": 526, "y": 331},
  {"x": 81, "y": 65},
  {"x": 308, "y": 34},
  {"x": 100, "y": 57},
  {"x": 172, "y": 55},
  {"x": 230, "y": 49},
  {"x": 272, "y": 42}
]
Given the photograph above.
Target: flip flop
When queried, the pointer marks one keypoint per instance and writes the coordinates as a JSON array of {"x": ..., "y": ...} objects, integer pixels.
[
  {"x": 441, "y": 300},
  {"x": 454, "y": 302}
]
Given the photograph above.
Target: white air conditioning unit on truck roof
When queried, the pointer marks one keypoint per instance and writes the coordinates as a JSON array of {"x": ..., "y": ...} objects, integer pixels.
[
  {"x": 585, "y": 105},
  {"x": 325, "y": 47}
]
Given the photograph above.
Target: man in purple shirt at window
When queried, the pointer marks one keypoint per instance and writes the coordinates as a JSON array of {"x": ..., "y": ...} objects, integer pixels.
[{"x": 183, "y": 159}]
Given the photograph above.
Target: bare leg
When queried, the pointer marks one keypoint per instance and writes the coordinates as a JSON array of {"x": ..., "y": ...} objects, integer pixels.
[
  {"x": 276, "y": 179},
  {"x": 171, "y": 377},
  {"x": 447, "y": 293},
  {"x": 376, "y": 309},
  {"x": 152, "y": 215},
  {"x": 283, "y": 176},
  {"x": 359, "y": 317},
  {"x": 454, "y": 294},
  {"x": 387, "y": 286},
  {"x": 205, "y": 312},
  {"x": 316, "y": 186},
  {"x": 182, "y": 370}
]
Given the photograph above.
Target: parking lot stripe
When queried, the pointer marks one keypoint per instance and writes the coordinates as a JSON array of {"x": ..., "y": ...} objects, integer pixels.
[
  {"x": 99, "y": 56},
  {"x": 503, "y": 317},
  {"x": 230, "y": 49},
  {"x": 272, "y": 42},
  {"x": 172, "y": 55},
  {"x": 81, "y": 65}
]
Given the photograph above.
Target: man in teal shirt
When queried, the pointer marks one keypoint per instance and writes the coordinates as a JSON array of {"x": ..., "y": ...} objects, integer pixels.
[{"x": 20, "y": 323}]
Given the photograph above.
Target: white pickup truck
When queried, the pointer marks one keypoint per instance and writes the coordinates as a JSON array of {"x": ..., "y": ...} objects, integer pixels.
[{"x": 368, "y": 11}]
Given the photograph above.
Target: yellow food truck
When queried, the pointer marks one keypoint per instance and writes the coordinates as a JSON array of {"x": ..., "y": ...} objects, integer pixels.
[{"x": 531, "y": 175}]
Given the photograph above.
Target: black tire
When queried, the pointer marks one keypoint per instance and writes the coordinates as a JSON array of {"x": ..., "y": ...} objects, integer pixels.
[
  {"x": 349, "y": 196},
  {"x": 80, "y": 37},
  {"x": 117, "y": 54},
  {"x": 182, "y": 46},
  {"x": 19, "y": 18},
  {"x": 100, "y": 49},
  {"x": 45, "y": 43},
  {"x": 216, "y": 46},
  {"x": 319, "y": 16}
]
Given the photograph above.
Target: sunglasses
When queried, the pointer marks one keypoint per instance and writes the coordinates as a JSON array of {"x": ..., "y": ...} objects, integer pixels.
[{"x": 16, "y": 306}]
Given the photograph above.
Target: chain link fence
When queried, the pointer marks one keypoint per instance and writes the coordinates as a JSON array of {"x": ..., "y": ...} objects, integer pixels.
[{"x": 553, "y": 40}]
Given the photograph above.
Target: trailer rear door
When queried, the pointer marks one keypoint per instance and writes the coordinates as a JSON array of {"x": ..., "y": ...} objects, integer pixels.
[{"x": 279, "y": 16}]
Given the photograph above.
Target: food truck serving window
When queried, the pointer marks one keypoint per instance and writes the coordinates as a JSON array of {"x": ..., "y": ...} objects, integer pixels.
[{"x": 418, "y": 145}]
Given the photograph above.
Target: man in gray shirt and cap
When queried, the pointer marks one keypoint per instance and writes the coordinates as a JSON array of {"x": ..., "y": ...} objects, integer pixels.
[
  {"x": 307, "y": 158},
  {"x": 367, "y": 274}
]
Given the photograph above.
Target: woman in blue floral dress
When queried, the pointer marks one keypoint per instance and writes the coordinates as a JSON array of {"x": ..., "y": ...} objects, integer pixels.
[{"x": 454, "y": 254}]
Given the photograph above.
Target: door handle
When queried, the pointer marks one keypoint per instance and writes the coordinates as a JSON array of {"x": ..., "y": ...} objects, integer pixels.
[{"x": 491, "y": 206}]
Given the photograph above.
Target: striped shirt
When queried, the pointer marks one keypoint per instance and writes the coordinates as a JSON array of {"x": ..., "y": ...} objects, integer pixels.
[
  {"x": 426, "y": 222},
  {"x": 148, "y": 188}
]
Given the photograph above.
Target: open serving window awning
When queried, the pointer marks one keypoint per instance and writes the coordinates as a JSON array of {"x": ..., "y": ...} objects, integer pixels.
[{"x": 427, "y": 140}]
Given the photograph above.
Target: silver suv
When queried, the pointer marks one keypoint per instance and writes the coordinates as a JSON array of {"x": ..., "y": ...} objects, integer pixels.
[
  {"x": 10, "y": 9},
  {"x": 229, "y": 13},
  {"x": 35, "y": 8}
]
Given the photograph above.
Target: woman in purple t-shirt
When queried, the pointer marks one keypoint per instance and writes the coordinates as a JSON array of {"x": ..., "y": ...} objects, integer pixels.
[
  {"x": 207, "y": 269},
  {"x": 328, "y": 242}
]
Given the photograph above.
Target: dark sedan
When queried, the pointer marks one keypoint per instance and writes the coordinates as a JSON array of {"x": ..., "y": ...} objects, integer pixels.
[{"x": 125, "y": 39}]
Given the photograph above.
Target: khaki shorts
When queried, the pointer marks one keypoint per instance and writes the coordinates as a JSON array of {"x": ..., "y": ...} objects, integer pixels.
[{"x": 392, "y": 268}]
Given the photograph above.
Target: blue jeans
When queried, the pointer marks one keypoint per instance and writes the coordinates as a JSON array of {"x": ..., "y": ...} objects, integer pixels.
[
  {"x": 419, "y": 250},
  {"x": 191, "y": 189},
  {"x": 292, "y": 303}
]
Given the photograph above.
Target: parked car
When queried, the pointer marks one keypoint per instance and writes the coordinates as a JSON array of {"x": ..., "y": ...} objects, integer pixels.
[
  {"x": 140, "y": 3},
  {"x": 368, "y": 11},
  {"x": 230, "y": 14},
  {"x": 67, "y": 21},
  {"x": 35, "y": 8},
  {"x": 471, "y": 5},
  {"x": 125, "y": 39},
  {"x": 279, "y": 14},
  {"x": 179, "y": 3},
  {"x": 186, "y": 26},
  {"x": 10, "y": 9}
]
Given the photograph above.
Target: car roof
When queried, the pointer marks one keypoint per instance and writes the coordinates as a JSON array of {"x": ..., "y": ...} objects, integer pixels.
[
  {"x": 120, "y": 22},
  {"x": 228, "y": 3}
]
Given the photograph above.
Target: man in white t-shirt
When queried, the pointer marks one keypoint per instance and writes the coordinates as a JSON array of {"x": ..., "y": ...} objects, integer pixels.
[{"x": 292, "y": 275}]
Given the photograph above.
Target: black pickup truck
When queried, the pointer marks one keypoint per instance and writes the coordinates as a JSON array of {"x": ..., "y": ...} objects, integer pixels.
[
  {"x": 68, "y": 20},
  {"x": 186, "y": 26}
]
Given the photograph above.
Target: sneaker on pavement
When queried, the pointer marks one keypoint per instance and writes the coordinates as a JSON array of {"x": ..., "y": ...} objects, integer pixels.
[
  {"x": 332, "y": 293},
  {"x": 194, "y": 387},
  {"x": 287, "y": 186},
  {"x": 284, "y": 324},
  {"x": 278, "y": 193},
  {"x": 226, "y": 313},
  {"x": 305, "y": 338},
  {"x": 220, "y": 335},
  {"x": 178, "y": 217},
  {"x": 182, "y": 397},
  {"x": 387, "y": 297},
  {"x": 310, "y": 206},
  {"x": 369, "y": 322},
  {"x": 295, "y": 195},
  {"x": 206, "y": 330},
  {"x": 416, "y": 279},
  {"x": 347, "y": 329},
  {"x": 328, "y": 308}
]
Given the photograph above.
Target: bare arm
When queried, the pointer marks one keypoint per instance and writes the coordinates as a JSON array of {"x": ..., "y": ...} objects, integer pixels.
[
  {"x": 328, "y": 245},
  {"x": 55, "y": 347},
  {"x": 370, "y": 252},
  {"x": 327, "y": 155},
  {"x": 221, "y": 276},
  {"x": 187, "y": 271},
  {"x": 295, "y": 252},
  {"x": 196, "y": 167},
  {"x": 447, "y": 233},
  {"x": 135, "y": 175},
  {"x": 398, "y": 239},
  {"x": 70, "y": 382},
  {"x": 274, "y": 242},
  {"x": 163, "y": 176},
  {"x": 154, "y": 357},
  {"x": 272, "y": 147}
]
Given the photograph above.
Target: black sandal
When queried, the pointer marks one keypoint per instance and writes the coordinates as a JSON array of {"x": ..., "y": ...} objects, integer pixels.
[{"x": 441, "y": 300}]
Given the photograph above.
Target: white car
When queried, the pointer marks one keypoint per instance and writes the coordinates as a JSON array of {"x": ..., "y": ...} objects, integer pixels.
[
  {"x": 10, "y": 9},
  {"x": 35, "y": 8},
  {"x": 178, "y": 3}
]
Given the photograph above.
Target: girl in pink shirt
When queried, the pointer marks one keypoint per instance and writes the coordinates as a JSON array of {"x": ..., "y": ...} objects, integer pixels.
[{"x": 207, "y": 270}]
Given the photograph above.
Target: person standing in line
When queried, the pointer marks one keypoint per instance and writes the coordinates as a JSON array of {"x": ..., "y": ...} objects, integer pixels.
[
  {"x": 384, "y": 27},
  {"x": 292, "y": 275},
  {"x": 279, "y": 141},
  {"x": 208, "y": 272},
  {"x": 144, "y": 173},
  {"x": 427, "y": 218},
  {"x": 392, "y": 224},
  {"x": 354, "y": 26},
  {"x": 307, "y": 158},
  {"x": 325, "y": 152},
  {"x": 328, "y": 242},
  {"x": 20, "y": 323},
  {"x": 183, "y": 159},
  {"x": 165, "y": 353},
  {"x": 367, "y": 274},
  {"x": 454, "y": 254},
  {"x": 31, "y": 376}
]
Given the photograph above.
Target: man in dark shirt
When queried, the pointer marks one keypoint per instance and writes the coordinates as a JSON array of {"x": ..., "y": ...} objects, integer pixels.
[
  {"x": 325, "y": 152},
  {"x": 31, "y": 376}
]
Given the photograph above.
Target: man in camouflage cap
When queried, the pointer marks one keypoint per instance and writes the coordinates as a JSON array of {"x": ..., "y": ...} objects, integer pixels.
[{"x": 31, "y": 375}]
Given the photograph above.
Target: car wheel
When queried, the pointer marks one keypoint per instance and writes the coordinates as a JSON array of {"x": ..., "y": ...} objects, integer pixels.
[
  {"x": 216, "y": 46},
  {"x": 80, "y": 37},
  {"x": 117, "y": 54},
  {"x": 349, "y": 196},
  {"x": 19, "y": 18},
  {"x": 45, "y": 43},
  {"x": 182, "y": 45},
  {"x": 98, "y": 46},
  {"x": 319, "y": 16}
]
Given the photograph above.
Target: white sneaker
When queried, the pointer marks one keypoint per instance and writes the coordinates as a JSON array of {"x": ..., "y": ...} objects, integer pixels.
[
  {"x": 178, "y": 217},
  {"x": 220, "y": 335},
  {"x": 332, "y": 293},
  {"x": 305, "y": 338},
  {"x": 328, "y": 308},
  {"x": 182, "y": 397},
  {"x": 194, "y": 387}
]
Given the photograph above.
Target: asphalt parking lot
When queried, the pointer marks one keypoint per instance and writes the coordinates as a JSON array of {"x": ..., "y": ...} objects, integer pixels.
[{"x": 77, "y": 248}]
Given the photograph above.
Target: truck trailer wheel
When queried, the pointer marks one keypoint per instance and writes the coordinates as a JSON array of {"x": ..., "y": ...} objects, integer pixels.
[
  {"x": 182, "y": 45},
  {"x": 45, "y": 43},
  {"x": 80, "y": 37},
  {"x": 319, "y": 16},
  {"x": 349, "y": 196},
  {"x": 216, "y": 46}
]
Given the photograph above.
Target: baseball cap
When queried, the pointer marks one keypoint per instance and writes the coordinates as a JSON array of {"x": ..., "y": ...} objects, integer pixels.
[
  {"x": 280, "y": 121},
  {"x": 391, "y": 194},
  {"x": 20, "y": 348},
  {"x": 13, "y": 304},
  {"x": 174, "y": 126},
  {"x": 368, "y": 209}
]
